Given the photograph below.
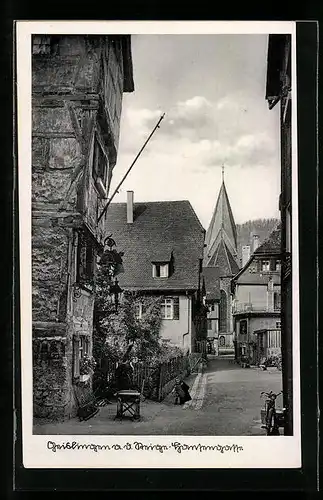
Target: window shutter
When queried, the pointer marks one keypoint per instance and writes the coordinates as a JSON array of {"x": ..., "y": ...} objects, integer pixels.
[
  {"x": 86, "y": 346},
  {"x": 176, "y": 308},
  {"x": 89, "y": 251},
  {"x": 76, "y": 356}
]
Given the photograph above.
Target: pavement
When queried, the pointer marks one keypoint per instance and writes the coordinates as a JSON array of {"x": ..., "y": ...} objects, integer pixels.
[{"x": 225, "y": 402}]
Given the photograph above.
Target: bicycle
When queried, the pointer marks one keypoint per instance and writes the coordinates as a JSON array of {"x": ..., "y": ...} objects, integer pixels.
[{"x": 270, "y": 416}]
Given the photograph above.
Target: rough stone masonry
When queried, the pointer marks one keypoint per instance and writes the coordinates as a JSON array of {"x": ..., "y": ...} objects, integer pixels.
[{"x": 77, "y": 87}]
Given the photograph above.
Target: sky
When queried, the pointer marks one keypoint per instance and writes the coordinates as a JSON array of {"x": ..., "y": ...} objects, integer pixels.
[{"x": 212, "y": 91}]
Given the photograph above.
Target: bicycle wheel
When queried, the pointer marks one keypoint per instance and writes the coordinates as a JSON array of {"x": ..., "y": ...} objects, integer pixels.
[{"x": 270, "y": 421}]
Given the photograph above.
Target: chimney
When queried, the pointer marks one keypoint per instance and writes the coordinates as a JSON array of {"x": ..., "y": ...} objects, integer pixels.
[
  {"x": 255, "y": 242},
  {"x": 129, "y": 207},
  {"x": 245, "y": 254}
]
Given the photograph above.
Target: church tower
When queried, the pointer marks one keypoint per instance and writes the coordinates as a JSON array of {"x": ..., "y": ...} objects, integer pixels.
[
  {"x": 221, "y": 236},
  {"x": 220, "y": 252}
]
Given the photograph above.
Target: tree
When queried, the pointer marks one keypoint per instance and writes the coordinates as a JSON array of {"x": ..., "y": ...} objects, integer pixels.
[{"x": 119, "y": 333}]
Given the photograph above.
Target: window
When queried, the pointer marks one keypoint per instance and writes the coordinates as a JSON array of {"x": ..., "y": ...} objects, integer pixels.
[
  {"x": 277, "y": 265},
  {"x": 209, "y": 324},
  {"x": 222, "y": 341},
  {"x": 170, "y": 308},
  {"x": 265, "y": 265},
  {"x": 160, "y": 270},
  {"x": 274, "y": 340},
  {"x": 85, "y": 258},
  {"x": 278, "y": 324},
  {"x": 81, "y": 347},
  {"x": 243, "y": 327},
  {"x": 139, "y": 310},
  {"x": 277, "y": 300},
  {"x": 100, "y": 166}
]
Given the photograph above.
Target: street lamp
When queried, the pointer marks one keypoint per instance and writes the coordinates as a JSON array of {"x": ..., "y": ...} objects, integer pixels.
[{"x": 116, "y": 291}]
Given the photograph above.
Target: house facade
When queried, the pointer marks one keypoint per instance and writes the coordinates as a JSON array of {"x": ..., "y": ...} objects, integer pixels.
[
  {"x": 221, "y": 252},
  {"x": 211, "y": 280},
  {"x": 278, "y": 92},
  {"x": 77, "y": 88},
  {"x": 162, "y": 243},
  {"x": 256, "y": 293}
]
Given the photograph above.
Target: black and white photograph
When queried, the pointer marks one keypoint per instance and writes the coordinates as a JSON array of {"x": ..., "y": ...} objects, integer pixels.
[{"x": 159, "y": 268}]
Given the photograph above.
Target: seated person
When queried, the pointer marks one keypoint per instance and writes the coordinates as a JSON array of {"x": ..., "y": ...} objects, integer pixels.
[
  {"x": 124, "y": 376},
  {"x": 181, "y": 391}
]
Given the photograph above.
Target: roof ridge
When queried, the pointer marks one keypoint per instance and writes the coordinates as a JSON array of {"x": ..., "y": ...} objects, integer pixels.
[
  {"x": 151, "y": 202},
  {"x": 196, "y": 217}
]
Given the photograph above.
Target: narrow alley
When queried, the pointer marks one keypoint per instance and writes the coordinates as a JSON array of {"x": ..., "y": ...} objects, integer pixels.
[{"x": 225, "y": 402}]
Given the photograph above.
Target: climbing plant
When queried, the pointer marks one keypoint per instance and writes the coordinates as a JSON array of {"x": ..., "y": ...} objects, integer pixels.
[{"x": 125, "y": 330}]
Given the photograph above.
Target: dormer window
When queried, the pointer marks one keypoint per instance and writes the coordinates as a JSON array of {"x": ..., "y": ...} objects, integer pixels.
[
  {"x": 160, "y": 270},
  {"x": 265, "y": 265}
]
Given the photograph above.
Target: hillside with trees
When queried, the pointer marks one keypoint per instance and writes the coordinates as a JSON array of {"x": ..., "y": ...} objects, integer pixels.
[{"x": 245, "y": 232}]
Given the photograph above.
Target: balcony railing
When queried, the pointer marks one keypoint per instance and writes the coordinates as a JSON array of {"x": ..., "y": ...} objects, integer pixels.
[{"x": 240, "y": 307}]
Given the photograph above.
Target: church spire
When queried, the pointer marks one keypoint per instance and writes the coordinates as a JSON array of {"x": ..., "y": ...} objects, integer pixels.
[{"x": 222, "y": 232}]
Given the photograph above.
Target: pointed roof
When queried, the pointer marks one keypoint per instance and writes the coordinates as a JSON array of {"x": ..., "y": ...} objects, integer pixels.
[
  {"x": 161, "y": 231},
  {"x": 222, "y": 228},
  {"x": 223, "y": 259}
]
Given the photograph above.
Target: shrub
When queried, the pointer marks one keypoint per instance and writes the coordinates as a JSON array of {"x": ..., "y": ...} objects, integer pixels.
[
  {"x": 274, "y": 361},
  {"x": 87, "y": 365}
]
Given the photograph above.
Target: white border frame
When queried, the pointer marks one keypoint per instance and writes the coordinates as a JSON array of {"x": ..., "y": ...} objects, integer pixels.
[{"x": 259, "y": 452}]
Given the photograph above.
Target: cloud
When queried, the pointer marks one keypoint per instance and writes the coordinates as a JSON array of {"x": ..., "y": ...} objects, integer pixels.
[
  {"x": 227, "y": 104},
  {"x": 209, "y": 133},
  {"x": 193, "y": 119},
  {"x": 142, "y": 119},
  {"x": 248, "y": 150}
]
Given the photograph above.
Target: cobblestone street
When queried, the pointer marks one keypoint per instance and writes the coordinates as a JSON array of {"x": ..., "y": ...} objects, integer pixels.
[{"x": 225, "y": 401}]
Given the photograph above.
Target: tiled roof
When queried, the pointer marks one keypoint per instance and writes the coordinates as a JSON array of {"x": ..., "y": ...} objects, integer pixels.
[
  {"x": 222, "y": 227},
  {"x": 272, "y": 244},
  {"x": 159, "y": 230},
  {"x": 211, "y": 276},
  {"x": 224, "y": 260},
  {"x": 257, "y": 278}
]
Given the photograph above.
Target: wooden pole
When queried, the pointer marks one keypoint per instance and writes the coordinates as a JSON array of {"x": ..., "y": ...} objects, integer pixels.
[{"x": 132, "y": 164}]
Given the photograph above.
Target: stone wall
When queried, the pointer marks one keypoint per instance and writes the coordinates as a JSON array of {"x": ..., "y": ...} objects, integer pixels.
[
  {"x": 52, "y": 397},
  {"x": 71, "y": 115},
  {"x": 49, "y": 272}
]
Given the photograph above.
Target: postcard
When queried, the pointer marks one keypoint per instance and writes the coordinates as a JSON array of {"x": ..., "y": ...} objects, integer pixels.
[{"x": 159, "y": 274}]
